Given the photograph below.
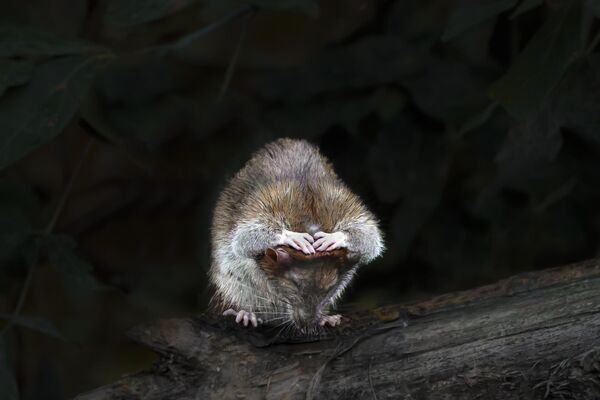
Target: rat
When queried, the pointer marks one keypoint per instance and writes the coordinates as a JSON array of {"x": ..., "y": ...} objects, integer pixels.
[{"x": 287, "y": 238}]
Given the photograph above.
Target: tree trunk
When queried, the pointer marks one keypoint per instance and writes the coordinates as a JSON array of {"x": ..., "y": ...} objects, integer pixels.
[{"x": 532, "y": 336}]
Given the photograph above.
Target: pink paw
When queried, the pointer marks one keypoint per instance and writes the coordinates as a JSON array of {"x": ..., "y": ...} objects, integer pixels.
[
  {"x": 297, "y": 240},
  {"x": 243, "y": 316},
  {"x": 332, "y": 320},
  {"x": 330, "y": 241}
]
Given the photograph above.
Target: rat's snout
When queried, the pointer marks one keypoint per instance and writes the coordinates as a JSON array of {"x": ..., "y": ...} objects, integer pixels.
[
  {"x": 301, "y": 316},
  {"x": 306, "y": 318}
]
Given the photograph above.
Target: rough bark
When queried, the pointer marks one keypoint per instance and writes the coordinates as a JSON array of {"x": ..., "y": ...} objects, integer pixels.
[{"x": 532, "y": 336}]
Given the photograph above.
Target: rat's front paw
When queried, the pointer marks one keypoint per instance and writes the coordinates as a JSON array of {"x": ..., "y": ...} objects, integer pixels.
[
  {"x": 332, "y": 320},
  {"x": 297, "y": 240},
  {"x": 330, "y": 241},
  {"x": 243, "y": 316}
]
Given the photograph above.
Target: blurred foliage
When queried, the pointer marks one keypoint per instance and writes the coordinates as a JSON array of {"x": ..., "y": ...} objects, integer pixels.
[{"x": 470, "y": 127}]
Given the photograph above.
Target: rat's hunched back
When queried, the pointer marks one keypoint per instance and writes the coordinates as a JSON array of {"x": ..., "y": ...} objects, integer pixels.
[{"x": 286, "y": 194}]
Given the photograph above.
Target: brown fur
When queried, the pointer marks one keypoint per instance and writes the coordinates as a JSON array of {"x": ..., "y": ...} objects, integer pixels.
[{"x": 286, "y": 185}]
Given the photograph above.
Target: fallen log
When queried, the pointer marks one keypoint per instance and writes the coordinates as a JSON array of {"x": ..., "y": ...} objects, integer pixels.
[{"x": 531, "y": 336}]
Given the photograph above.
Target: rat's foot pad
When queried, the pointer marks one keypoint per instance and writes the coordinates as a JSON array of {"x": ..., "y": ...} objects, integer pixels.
[
  {"x": 332, "y": 320},
  {"x": 244, "y": 317}
]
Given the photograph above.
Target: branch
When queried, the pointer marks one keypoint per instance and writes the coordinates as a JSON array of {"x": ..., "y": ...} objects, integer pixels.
[{"x": 534, "y": 335}]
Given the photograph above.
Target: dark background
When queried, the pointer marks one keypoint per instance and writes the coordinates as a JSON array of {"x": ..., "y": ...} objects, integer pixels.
[{"x": 470, "y": 128}]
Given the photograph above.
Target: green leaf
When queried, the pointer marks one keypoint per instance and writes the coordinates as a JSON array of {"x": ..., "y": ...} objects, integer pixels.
[
  {"x": 25, "y": 41},
  {"x": 525, "y": 6},
  {"x": 537, "y": 70},
  {"x": 76, "y": 273},
  {"x": 125, "y": 13},
  {"x": 14, "y": 73},
  {"x": 8, "y": 384},
  {"x": 34, "y": 114},
  {"x": 467, "y": 17},
  {"x": 38, "y": 324}
]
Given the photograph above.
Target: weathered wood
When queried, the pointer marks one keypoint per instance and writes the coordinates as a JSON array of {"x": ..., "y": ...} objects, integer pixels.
[{"x": 531, "y": 336}]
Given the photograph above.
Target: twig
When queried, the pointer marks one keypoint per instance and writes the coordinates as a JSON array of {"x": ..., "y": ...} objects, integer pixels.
[
  {"x": 47, "y": 231},
  {"x": 187, "y": 39},
  {"x": 594, "y": 43},
  {"x": 234, "y": 58},
  {"x": 61, "y": 203}
]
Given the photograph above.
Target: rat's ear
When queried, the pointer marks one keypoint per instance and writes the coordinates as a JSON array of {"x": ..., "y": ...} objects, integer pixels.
[{"x": 278, "y": 256}]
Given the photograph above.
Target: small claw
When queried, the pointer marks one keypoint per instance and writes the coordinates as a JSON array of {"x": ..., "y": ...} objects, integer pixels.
[
  {"x": 332, "y": 320},
  {"x": 240, "y": 316},
  {"x": 324, "y": 245},
  {"x": 253, "y": 320},
  {"x": 245, "y": 319}
]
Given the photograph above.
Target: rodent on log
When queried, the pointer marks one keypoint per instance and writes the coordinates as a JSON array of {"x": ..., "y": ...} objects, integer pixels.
[{"x": 287, "y": 238}]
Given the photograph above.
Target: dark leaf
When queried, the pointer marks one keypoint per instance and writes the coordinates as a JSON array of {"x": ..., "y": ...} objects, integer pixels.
[
  {"x": 468, "y": 16},
  {"x": 374, "y": 60},
  {"x": 407, "y": 162},
  {"x": 528, "y": 158},
  {"x": 8, "y": 384},
  {"x": 410, "y": 165},
  {"x": 34, "y": 114},
  {"x": 577, "y": 99},
  {"x": 477, "y": 120},
  {"x": 77, "y": 274},
  {"x": 594, "y": 6},
  {"x": 310, "y": 6},
  {"x": 25, "y": 41},
  {"x": 19, "y": 208},
  {"x": 538, "y": 69},
  {"x": 47, "y": 382},
  {"x": 458, "y": 251},
  {"x": 124, "y": 13},
  {"x": 347, "y": 112},
  {"x": 447, "y": 91},
  {"x": 525, "y": 6},
  {"x": 14, "y": 73},
  {"x": 19, "y": 212},
  {"x": 38, "y": 324},
  {"x": 417, "y": 21}
]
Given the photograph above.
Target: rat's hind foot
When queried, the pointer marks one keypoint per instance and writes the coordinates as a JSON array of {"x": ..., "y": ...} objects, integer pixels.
[
  {"x": 332, "y": 320},
  {"x": 243, "y": 316},
  {"x": 298, "y": 240},
  {"x": 330, "y": 241}
]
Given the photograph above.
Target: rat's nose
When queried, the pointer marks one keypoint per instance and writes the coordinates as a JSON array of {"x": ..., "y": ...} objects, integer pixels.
[
  {"x": 304, "y": 318},
  {"x": 300, "y": 315}
]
